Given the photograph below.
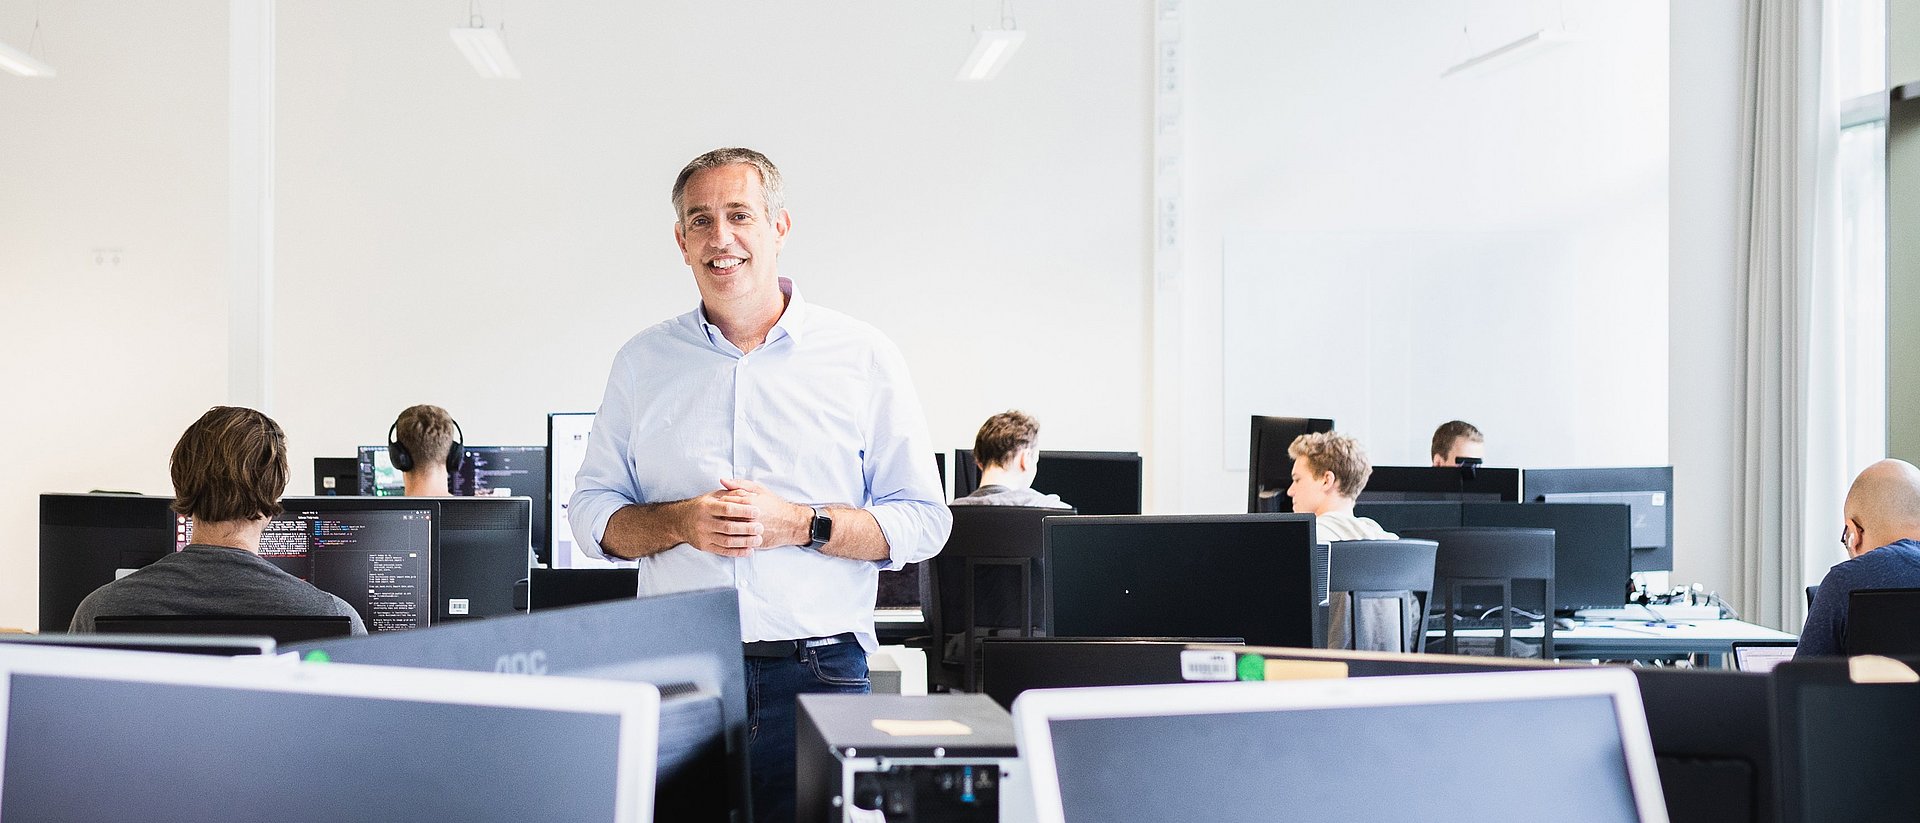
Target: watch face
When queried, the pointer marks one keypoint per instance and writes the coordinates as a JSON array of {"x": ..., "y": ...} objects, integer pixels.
[{"x": 822, "y": 528}]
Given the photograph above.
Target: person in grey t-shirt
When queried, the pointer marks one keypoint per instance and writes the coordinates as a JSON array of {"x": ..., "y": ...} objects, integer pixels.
[
  {"x": 1009, "y": 456},
  {"x": 229, "y": 470}
]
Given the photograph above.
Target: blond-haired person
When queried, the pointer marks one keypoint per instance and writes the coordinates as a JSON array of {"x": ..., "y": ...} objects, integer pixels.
[{"x": 1329, "y": 471}]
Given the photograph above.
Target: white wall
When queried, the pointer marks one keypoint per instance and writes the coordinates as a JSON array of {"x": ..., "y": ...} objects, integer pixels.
[
  {"x": 1394, "y": 250},
  {"x": 1708, "y": 44},
  {"x": 105, "y": 364},
  {"x": 488, "y": 245}
]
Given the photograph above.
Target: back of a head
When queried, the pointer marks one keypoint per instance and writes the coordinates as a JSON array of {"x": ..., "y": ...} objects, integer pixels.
[
  {"x": 1337, "y": 453},
  {"x": 1450, "y": 432},
  {"x": 1004, "y": 436},
  {"x": 1885, "y": 498},
  {"x": 230, "y": 465},
  {"x": 428, "y": 434}
]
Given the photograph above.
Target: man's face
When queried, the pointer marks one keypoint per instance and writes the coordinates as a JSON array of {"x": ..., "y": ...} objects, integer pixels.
[
  {"x": 1309, "y": 491},
  {"x": 1462, "y": 447},
  {"x": 726, "y": 235}
]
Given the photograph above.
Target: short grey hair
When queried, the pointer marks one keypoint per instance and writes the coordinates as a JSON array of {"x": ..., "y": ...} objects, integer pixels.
[{"x": 769, "y": 177}]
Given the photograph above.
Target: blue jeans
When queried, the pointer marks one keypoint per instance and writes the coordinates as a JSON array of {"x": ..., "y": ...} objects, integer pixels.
[{"x": 773, "y": 683}]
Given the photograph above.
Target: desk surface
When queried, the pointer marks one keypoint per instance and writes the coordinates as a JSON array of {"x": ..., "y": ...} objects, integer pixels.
[{"x": 1627, "y": 638}]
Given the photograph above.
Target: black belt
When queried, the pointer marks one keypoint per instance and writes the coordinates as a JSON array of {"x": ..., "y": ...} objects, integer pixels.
[{"x": 789, "y": 648}]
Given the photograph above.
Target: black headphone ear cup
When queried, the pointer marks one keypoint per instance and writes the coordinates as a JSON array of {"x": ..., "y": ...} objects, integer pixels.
[
  {"x": 457, "y": 451},
  {"x": 397, "y": 454}
]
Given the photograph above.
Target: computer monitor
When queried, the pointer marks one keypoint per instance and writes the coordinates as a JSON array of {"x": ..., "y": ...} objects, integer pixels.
[
  {"x": 1269, "y": 467},
  {"x": 90, "y": 540},
  {"x": 484, "y": 549},
  {"x": 1590, "y": 554},
  {"x": 1397, "y": 515},
  {"x": 1571, "y": 742},
  {"x": 1761, "y": 656},
  {"x": 487, "y": 471},
  {"x": 1228, "y": 575},
  {"x": 377, "y": 554},
  {"x": 567, "y": 435},
  {"x": 1462, "y": 484},
  {"x": 336, "y": 476},
  {"x": 1883, "y": 621},
  {"x": 691, "y": 651},
  {"x": 1094, "y": 483},
  {"x": 1011, "y": 666},
  {"x": 1844, "y": 746},
  {"x": 220, "y": 646},
  {"x": 940, "y": 465},
  {"x": 314, "y": 742},
  {"x": 560, "y": 588},
  {"x": 281, "y": 628},
  {"x": 1648, "y": 489}
]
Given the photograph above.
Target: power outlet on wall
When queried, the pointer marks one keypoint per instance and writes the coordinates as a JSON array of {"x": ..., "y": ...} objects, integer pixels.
[{"x": 107, "y": 257}]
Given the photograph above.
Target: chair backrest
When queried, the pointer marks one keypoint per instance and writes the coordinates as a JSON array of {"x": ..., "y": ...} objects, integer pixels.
[
  {"x": 990, "y": 553},
  {"x": 1883, "y": 621},
  {"x": 284, "y": 629},
  {"x": 1491, "y": 556},
  {"x": 1490, "y": 552},
  {"x": 1382, "y": 565},
  {"x": 1812, "y": 591}
]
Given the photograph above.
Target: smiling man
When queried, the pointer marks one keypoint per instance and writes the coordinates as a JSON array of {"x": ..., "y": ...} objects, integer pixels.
[{"x": 764, "y": 444}]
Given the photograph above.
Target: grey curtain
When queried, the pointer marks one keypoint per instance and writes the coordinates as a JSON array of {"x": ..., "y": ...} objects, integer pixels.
[{"x": 1779, "y": 164}]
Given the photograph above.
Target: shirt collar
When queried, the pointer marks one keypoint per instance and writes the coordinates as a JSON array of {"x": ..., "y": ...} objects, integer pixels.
[{"x": 792, "y": 320}]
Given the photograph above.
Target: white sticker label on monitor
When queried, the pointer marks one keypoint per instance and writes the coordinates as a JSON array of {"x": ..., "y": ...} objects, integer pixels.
[
  {"x": 1207, "y": 665},
  {"x": 456, "y": 605}
]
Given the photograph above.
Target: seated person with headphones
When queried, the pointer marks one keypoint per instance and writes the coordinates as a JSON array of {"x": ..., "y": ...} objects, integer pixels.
[
  {"x": 229, "y": 470},
  {"x": 424, "y": 445}
]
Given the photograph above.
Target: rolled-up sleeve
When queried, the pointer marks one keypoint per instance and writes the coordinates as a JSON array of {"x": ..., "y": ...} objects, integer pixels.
[
  {"x": 903, "y": 487},
  {"x": 606, "y": 482}
]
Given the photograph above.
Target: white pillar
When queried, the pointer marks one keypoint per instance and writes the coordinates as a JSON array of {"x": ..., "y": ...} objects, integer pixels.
[
  {"x": 250, "y": 204},
  {"x": 1167, "y": 462}
]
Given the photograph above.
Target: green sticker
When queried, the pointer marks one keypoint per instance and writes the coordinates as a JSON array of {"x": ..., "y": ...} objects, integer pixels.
[
  {"x": 317, "y": 656},
  {"x": 1253, "y": 667}
]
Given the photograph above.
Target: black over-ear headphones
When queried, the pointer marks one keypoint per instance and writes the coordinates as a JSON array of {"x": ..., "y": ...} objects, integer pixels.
[{"x": 403, "y": 460}]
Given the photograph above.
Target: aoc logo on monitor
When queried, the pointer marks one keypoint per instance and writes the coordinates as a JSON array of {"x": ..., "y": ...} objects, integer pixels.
[{"x": 533, "y": 662}]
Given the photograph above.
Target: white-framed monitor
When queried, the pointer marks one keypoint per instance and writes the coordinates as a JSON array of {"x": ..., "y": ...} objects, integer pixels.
[
  {"x": 184, "y": 738},
  {"x": 567, "y": 436},
  {"x": 1520, "y": 746}
]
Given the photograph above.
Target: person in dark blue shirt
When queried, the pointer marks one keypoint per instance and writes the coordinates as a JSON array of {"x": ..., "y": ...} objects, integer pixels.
[{"x": 1882, "y": 537}]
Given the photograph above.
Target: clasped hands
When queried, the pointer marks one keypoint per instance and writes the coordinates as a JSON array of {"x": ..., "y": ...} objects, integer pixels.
[{"x": 743, "y": 516}]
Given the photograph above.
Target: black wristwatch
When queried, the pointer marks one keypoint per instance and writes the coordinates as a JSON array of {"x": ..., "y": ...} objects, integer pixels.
[{"x": 822, "y": 529}]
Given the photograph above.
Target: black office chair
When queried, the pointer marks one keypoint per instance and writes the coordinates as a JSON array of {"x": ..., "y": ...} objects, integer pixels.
[
  {"x": 284, "y": 629},
  {"x": 1883, "y": 621},
  {"x": 1812, "y": 592},
  {"x": 1383, "y": 571},
  {"x": 988, "y": 580},
  {"x": 1483, "y": 557}
]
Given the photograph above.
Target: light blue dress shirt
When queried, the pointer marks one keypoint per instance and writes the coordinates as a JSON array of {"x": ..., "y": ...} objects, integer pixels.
[{"x": 823, "y": 412}]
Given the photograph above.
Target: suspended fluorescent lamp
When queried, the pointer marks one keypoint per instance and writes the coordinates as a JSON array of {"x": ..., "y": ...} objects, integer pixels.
[
  {"x": 1514, "y": 52},
  {"x": 487, "y": 51},
  {"x": 21, "y": 63},
  {"x": 992, "y": 48}
]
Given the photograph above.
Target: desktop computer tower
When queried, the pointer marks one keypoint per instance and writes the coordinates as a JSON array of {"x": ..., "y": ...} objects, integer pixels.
[{"x": 946, "y": 758}]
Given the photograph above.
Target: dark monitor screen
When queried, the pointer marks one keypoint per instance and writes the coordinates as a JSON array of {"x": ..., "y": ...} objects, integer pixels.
[
  {"x": 1493, "y": 760},
  {"x": 1590, "y": 554},
  {"x": 1396, "y": 516},
  {"x": 1648, "y": 489},
  {"x": 1242, "y": 575},
  {"x": 1882, "y": 621},
  {"x": 1091, "y": 482},
  {"x": 282, "y": 628},
  {"x": 940, "y": 465},
  {"x": 376, "y": 555},
  {"x": 560, "y": 588},
  {"x": 1463, "y": 484},
  {"x": 1269, "y": 467},
  {"x": 697, "y": 665},
  {"x": 261, "y": 754},
  {"x": 1011, "y": 665},
  {"x": 334, "y": 476},
  {"x": 90, "y": 540},
  {"x": 488, "y": 471}
]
